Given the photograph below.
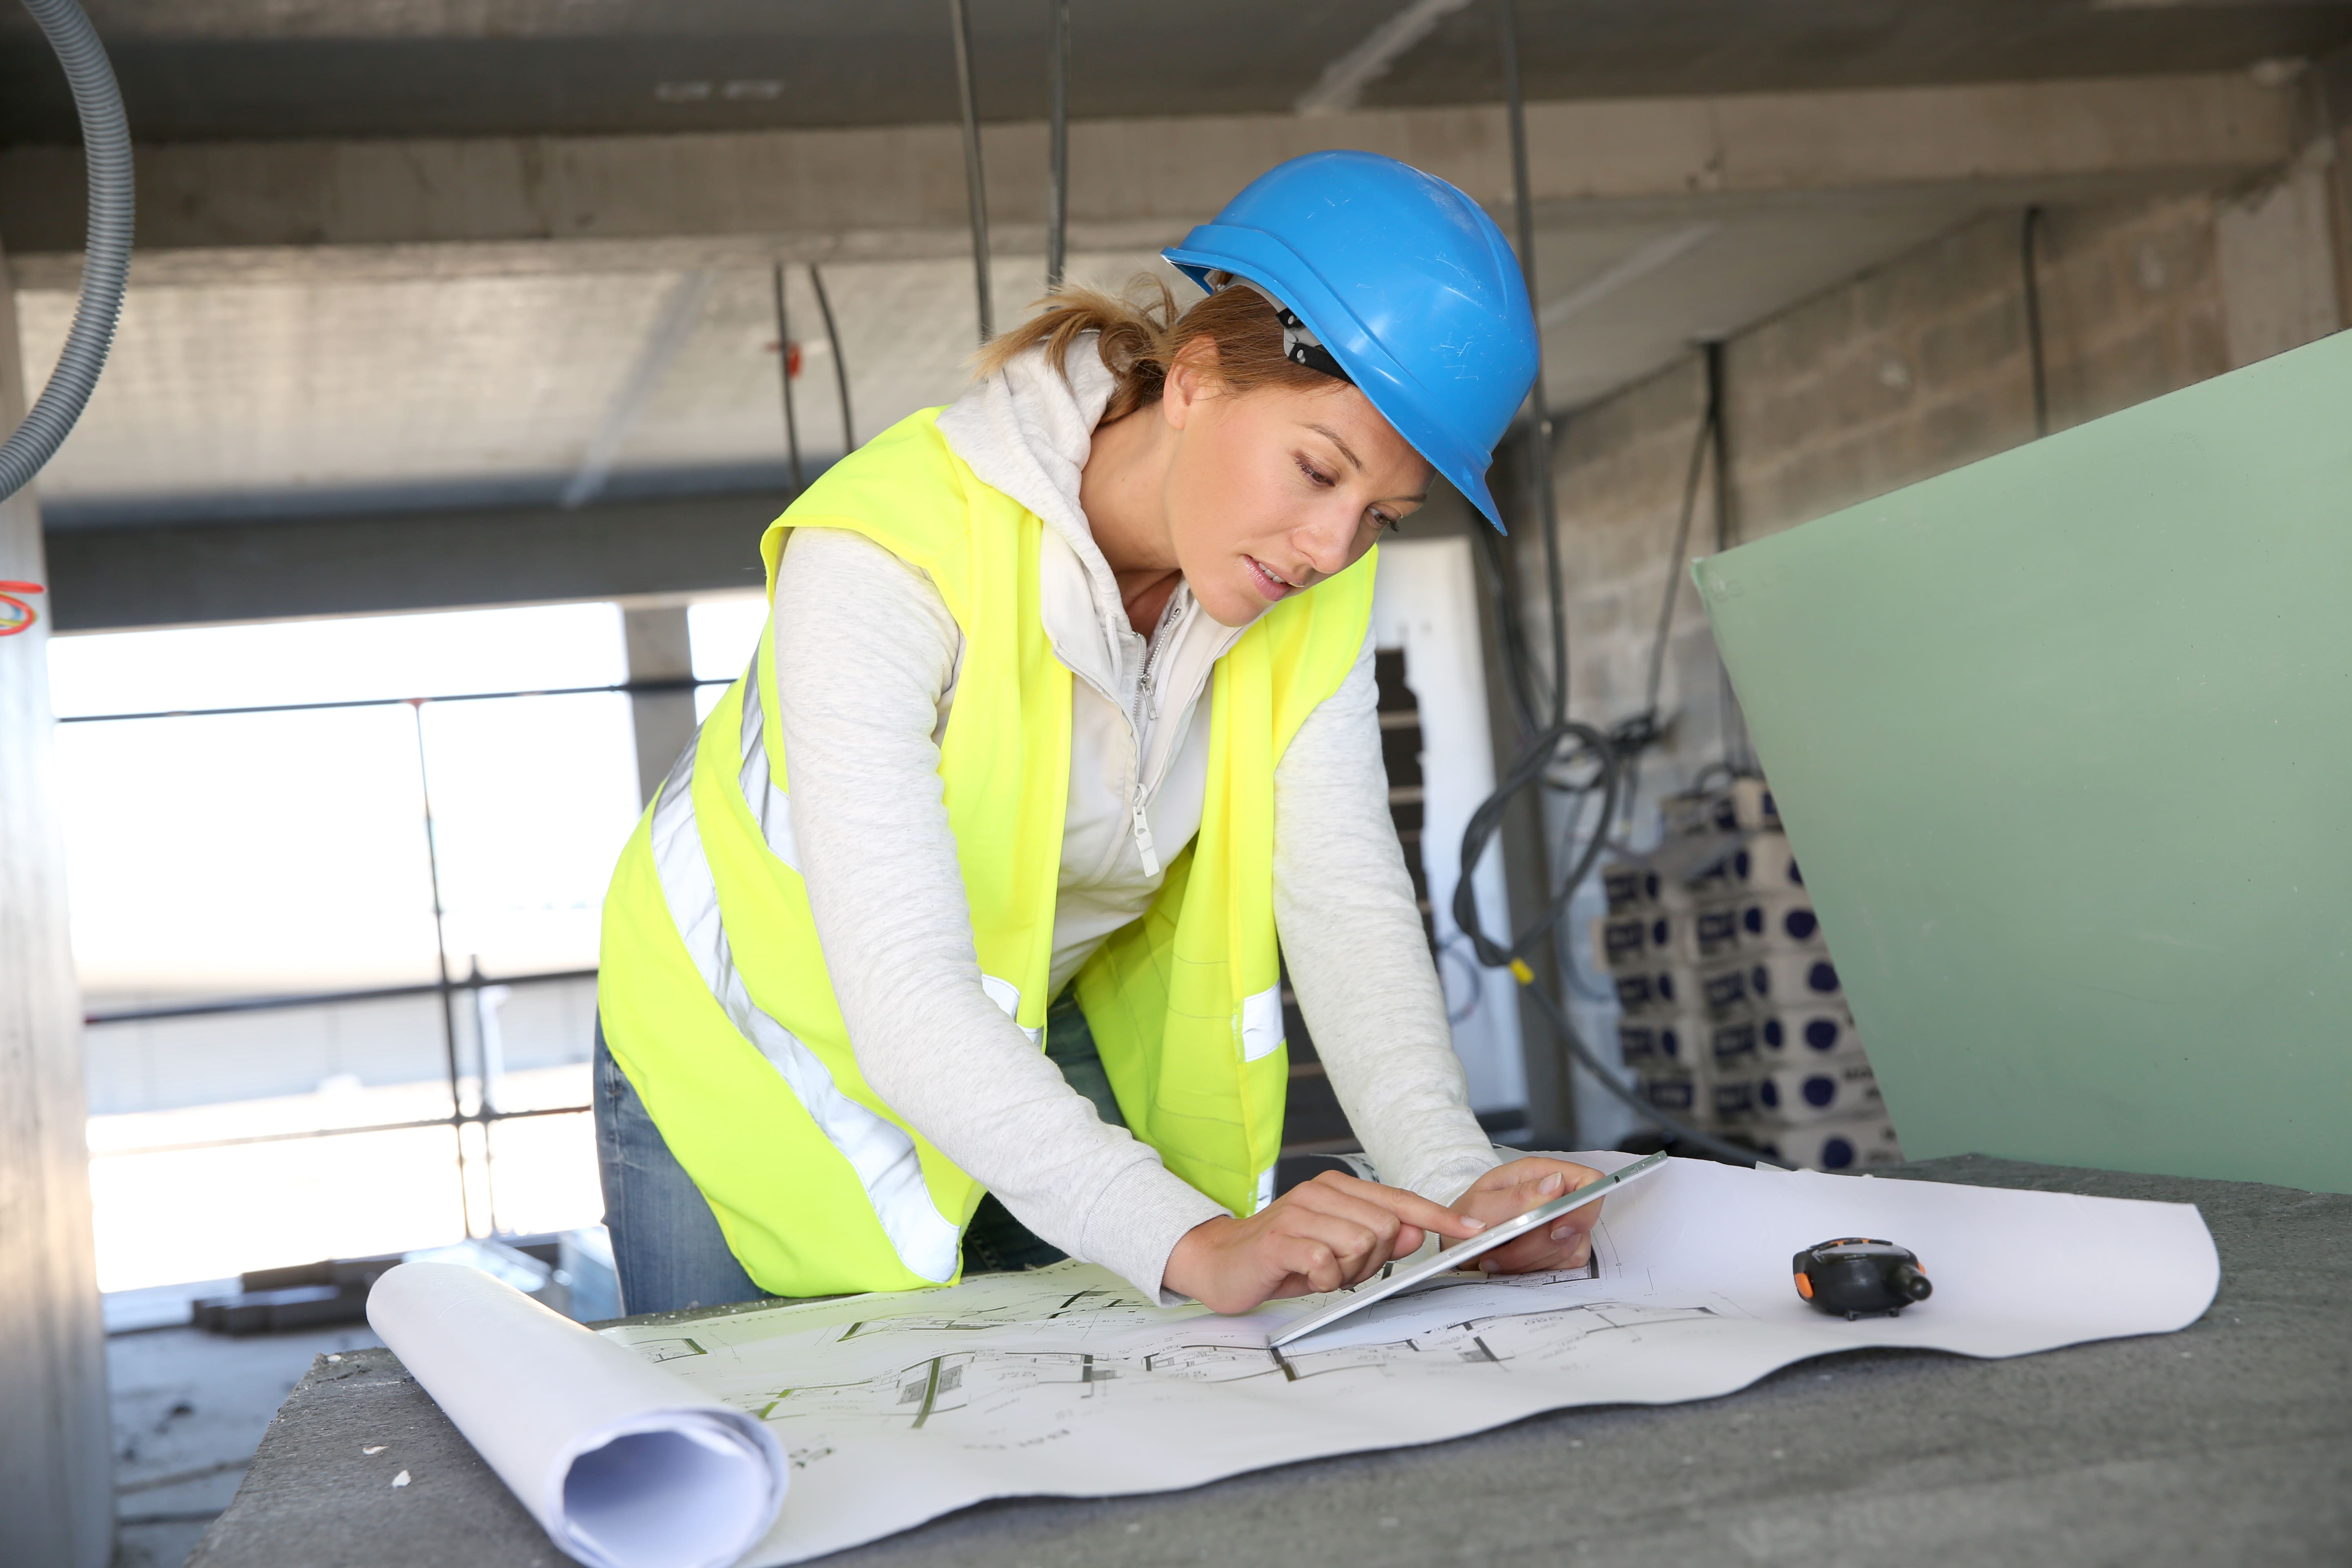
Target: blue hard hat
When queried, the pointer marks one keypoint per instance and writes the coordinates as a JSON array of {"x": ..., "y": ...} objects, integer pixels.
[{"x": 1407, "y": 283}]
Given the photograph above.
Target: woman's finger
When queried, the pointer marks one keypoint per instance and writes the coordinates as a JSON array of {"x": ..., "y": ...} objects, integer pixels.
[
  {"x": 1342, "y": 1203},
  {"x": 1312, "y": 1260},
  {"x": 1410, "y": 1207},
  {"x": 1357, "y": 1250},
  {"x": 1537, "y": 1254}
]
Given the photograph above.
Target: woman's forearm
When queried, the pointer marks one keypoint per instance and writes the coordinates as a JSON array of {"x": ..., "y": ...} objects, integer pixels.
[{"x": 1359, "y": 956}]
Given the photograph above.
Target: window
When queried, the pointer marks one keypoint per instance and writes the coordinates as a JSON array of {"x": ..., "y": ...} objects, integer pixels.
[{"x": 255, "y": 924}]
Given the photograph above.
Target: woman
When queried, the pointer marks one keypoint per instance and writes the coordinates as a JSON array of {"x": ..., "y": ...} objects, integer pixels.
[{"x": 1065, "y": 709}]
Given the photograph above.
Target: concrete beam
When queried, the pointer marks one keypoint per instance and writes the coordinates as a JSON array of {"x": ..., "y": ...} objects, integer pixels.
[
  {"x": 213, "y": 212},
  {"x": 115, "y": 579}
]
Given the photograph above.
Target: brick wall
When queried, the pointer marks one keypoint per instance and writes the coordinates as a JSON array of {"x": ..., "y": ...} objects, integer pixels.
[{"x": 1908, "y": 371}]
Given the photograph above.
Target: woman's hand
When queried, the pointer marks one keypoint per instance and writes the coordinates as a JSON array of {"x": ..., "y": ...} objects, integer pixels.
[
  {"x": 1329, "y": 1233},
  {"x": 1509, "y": 1191}
]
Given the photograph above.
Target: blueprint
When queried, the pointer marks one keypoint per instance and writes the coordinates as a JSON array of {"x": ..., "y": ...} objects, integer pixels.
[{"x": 894, "y": 1409}]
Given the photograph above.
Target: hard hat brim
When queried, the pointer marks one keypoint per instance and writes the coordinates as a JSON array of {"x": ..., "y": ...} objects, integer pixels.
[{"x": 1408, "y": 404}]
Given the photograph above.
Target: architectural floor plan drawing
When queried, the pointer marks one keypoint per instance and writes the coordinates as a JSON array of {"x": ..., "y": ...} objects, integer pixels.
[{"x": 894, "y": 1409}]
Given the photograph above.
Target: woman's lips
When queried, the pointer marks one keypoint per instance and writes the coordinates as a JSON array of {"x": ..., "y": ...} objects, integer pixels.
[{"x": 1271, "y": 586}]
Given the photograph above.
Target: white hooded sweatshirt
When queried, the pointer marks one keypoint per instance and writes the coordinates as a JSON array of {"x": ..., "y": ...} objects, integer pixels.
[{"x": 867, "y": 657}]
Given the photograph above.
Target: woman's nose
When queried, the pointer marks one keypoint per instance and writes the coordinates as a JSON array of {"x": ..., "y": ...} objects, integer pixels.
[{"x": 1329, "y": 542}]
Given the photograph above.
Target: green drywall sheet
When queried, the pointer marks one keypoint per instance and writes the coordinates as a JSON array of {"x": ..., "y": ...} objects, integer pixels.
[{"x": 2063, "y": 741}]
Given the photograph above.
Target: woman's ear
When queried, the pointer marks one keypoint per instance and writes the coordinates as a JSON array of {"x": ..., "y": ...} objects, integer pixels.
[{"x": 1192, "y": 378}]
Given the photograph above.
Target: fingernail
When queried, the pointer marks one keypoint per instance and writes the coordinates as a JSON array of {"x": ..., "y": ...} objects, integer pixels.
[
  {"x": 1561, "y": 1233},
  {"x": 1474, "y": 1225}
]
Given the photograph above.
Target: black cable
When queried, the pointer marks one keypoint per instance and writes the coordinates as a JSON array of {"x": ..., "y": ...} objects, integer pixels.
[
  {"x": 2028, "y": 243},
  {"x": 1529, "y": 769},
  {"x": 1057, "y": 150},
  {"x": 1547, "y": 505},
  {"x": 840, "y": 365},
  {"x": 1676, "y": 557},
  {"x": 1735, "y": 746},
  {"x": 784, "y": 370},
  {"x": 975, "y": 181},
  {"x": 1680, "y": 1130},
  {"x": 1562, "y": 741}
]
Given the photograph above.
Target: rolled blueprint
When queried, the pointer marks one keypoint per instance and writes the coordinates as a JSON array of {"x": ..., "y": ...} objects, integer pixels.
[{"x": 624, "y": 1465}]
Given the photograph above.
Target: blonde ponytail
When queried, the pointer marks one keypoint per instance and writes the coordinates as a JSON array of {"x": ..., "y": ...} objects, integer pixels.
[{"x": 1139, "y": 340}]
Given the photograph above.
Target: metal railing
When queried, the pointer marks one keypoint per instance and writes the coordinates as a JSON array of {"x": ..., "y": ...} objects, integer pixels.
[{"x": 483, "y": 1111}]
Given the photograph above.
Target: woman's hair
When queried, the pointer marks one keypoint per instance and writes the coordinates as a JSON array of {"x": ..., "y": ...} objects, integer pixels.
[{"x": 1139, "y": 340}]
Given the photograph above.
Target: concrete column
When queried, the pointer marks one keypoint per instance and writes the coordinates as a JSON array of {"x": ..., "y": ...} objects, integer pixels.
[
  {"x": 57, "y": 1489},
  {"x": 659, "y": 650},
  {"x": 2278, "y": 261}
]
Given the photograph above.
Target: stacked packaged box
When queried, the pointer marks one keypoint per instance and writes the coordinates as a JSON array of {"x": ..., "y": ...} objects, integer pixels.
[{"x": 1732, "y": 1017}]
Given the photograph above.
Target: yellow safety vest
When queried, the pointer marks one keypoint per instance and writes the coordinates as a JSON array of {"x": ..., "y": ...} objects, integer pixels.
[{"x": 713, "y": 989}]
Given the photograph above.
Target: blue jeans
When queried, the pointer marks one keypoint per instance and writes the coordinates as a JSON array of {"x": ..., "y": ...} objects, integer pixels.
[{"x": 666, "y": 1245}]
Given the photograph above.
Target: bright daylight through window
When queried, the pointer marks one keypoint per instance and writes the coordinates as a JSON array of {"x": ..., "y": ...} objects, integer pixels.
[{"x": 220, "y": 860}]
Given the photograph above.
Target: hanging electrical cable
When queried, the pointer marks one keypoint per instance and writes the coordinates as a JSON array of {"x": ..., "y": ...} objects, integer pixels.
[
  {"x": 785, "y": 355},
  {"x": 975, "y": 182},
  {"x": 2029, "y": 242},
  {"x": 1738, "y": 752},
  {"x": 840, "y": 365},
  {"x": 1554, "y": 744},
  {"x": 1057, "y": 150},
  {"x": 106, "y": 249}
]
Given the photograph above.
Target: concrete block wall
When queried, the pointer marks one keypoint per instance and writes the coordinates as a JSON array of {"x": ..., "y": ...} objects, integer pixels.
[{"x": 1915, "y": 368}]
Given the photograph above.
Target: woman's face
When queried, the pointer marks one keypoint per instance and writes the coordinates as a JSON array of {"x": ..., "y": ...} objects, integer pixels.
[{"x": 1269, "y": 492}]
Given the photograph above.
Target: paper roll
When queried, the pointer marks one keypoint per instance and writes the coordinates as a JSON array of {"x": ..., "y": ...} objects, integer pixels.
[{"x": 622, "y": 1464}]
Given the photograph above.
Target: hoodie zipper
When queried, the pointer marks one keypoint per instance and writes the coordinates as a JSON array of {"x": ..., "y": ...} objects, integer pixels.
[{"x": 1163, "y": 635}]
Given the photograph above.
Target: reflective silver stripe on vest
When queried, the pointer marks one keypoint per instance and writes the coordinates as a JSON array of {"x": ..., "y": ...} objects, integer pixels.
[
  {"x": 1007, "y": 995},
  {"x": 883, "y": 1156},
  {"x": 1262, "y": 1023},
  {"x": 771, "y": 807}
]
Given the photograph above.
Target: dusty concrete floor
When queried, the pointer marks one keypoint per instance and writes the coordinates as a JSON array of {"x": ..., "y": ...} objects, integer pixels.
[
  {"x": 189, "y": 1409},
  {"x": 2229, "y": 1442}
]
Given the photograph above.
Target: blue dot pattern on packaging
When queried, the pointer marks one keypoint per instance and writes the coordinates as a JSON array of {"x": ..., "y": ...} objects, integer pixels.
[
  {"x": 1799, "y": 923},
  {"x": 1821, "y": 1034},
  {"x": 1836, "y": 1154},
  {"x": 1820, "y": 1090},
  {"x": 1773, "y": 1034},
  {"x": 1822, "y": 976}
]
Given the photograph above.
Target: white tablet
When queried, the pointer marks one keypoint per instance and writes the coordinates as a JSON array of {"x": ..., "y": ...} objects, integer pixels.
[{"x": 1462, "y": 1252}]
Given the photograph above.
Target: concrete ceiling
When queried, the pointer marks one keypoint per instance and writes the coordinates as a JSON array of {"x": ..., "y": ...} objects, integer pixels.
[
  {"x": 318, "y": 392},
  {"x": 313, "y": 397},
  {"x": 259, "y": 68},
  {"x": 320, "y": 397}
]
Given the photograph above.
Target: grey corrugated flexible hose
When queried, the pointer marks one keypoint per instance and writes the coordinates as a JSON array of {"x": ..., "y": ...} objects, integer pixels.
[{"x": 105, "y": 254}]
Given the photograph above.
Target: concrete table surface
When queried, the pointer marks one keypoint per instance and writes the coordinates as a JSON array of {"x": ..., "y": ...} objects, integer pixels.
[{"x": 2228, "y": 1443}]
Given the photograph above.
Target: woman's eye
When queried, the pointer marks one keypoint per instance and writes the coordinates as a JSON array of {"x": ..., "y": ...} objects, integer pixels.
[{"x": 1309, "y": 470}]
